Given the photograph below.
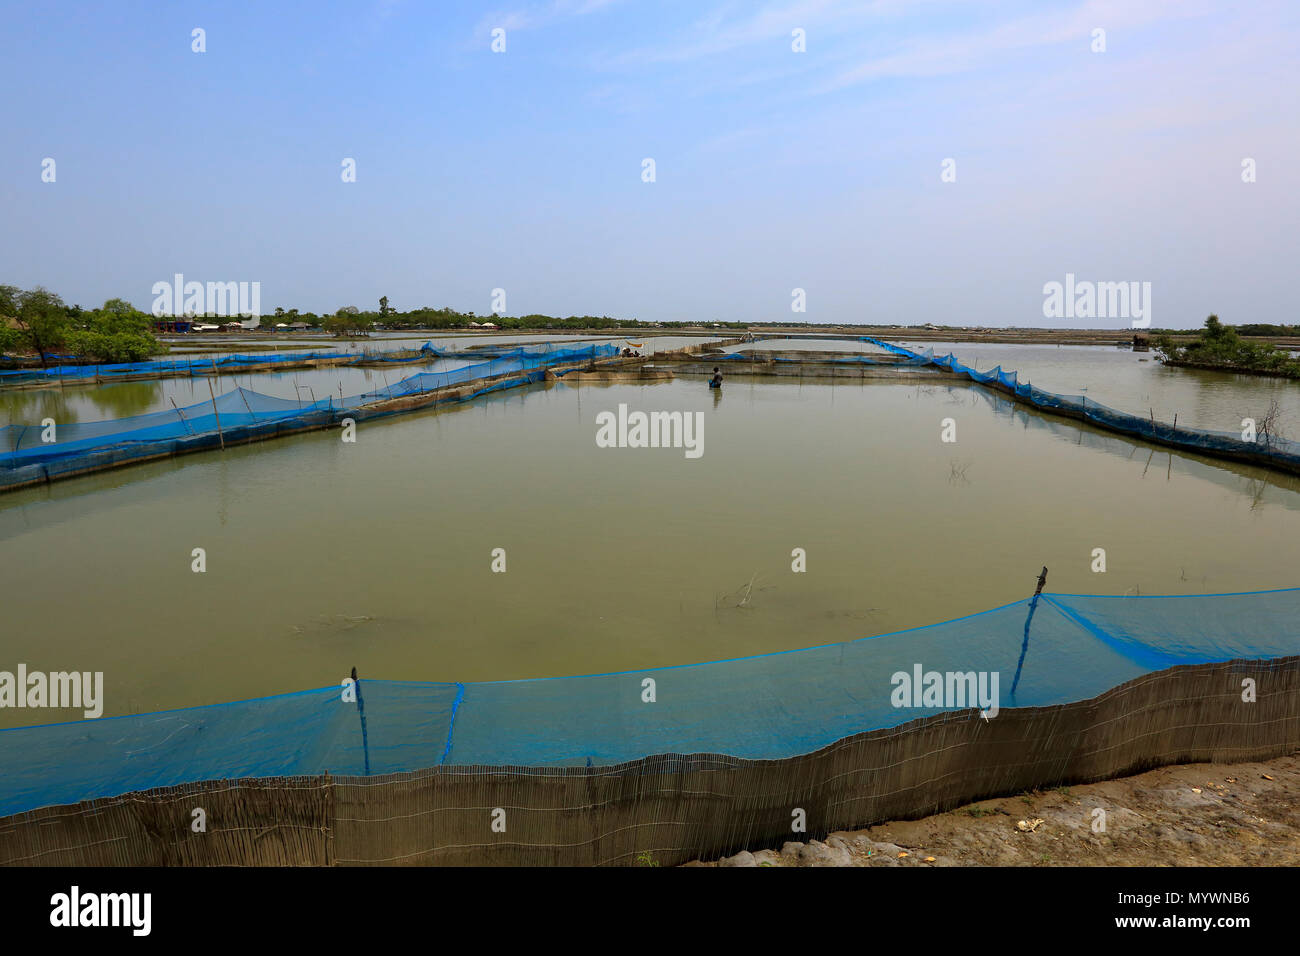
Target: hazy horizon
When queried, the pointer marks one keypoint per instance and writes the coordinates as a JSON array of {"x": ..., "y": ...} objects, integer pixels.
[{"x": 775, "y": 169}]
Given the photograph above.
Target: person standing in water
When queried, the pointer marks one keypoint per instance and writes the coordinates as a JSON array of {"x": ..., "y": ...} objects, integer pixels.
[{"x": 716, "y": 381}]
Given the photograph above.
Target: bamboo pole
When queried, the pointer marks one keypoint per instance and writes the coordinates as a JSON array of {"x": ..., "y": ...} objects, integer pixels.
[
  {"x": 1033, "y": 605},
  {"x": 220, "y": 435},
  {"x": 182, "y": 415},
  {"x": 361, "y": 712}
]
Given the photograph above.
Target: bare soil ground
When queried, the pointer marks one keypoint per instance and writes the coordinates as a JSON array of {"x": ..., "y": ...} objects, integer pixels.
[{"x": 1245, "y": 814}]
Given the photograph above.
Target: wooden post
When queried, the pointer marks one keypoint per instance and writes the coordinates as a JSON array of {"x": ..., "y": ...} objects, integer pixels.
[
  {"x": 361, "y": 712},
  {"x": 220, "y": 435},
  {"x": 1033, "y": 604},
  {"x": 182, "y": 415}
]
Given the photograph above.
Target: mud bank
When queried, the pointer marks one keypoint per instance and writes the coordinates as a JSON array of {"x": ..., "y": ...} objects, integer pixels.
[{"x": 1245, "y": 814}]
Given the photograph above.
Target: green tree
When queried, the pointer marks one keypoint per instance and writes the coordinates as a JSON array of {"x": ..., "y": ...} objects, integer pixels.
[
  {"x": 1220, "y": 346},
  {"x": 8, "y": 318},
  {"x": 42, "y": 322},
  {"x": 115, "y": 332},
  {"x": 348, "y": 321}
]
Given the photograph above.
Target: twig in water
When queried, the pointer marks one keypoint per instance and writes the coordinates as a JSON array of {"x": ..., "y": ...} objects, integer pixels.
[
  {"x": 748, "y": 589},
  {"x": 742, "y": 602}
]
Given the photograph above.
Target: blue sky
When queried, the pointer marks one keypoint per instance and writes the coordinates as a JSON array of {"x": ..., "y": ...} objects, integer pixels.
[{"x": 775, "y": 170}]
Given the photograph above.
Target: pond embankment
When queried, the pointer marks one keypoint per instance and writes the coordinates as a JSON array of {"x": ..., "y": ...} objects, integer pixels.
[{"x": 1198, "y": 814}]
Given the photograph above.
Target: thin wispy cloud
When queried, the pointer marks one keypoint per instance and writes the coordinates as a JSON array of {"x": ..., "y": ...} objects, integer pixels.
[
  {"x": 542, "y": 15},
  {"x": 944, "y": 55},
  {"x": 733, "y": 27}
]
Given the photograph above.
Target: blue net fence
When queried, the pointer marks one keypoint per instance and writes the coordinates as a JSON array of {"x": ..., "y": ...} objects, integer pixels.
[
  {"x": 198, "y": 366},
  {"x": 772, "y": 706},
  {"x": 1265, "y": 449},
  {"x": 35, "y": 451},
  {"x": 819, "y": 359},
  {"x": 502, "y": 350}
]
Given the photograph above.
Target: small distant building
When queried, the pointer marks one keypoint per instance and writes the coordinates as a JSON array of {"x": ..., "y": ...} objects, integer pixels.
[
  {"x": 173, "y": 325},
  {"x": 299, "y": 326}
]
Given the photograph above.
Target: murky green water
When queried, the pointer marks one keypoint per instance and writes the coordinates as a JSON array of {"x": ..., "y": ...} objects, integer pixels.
[{"x": 323, "y": 555}]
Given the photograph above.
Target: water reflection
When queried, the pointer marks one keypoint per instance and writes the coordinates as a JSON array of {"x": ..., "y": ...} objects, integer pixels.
[
  {"x": 1241, "y": 479},
  {"x": 124, "y": 399},
  {"x": 30, "y": 406}
]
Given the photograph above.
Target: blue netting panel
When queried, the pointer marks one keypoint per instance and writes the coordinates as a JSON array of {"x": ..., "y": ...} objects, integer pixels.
[
  {"x": 406, "y": 725},
  {"x": 400, "y": 355},
  {"x": 770, "y": 706},
  {"x": 515, "y": 350},
  {"x": 197, "y": 365},
  {"x": 236, "y": 408},
  {"x": 1159, "y": 632},
  {"x": 822, "y": 360},
  {"x": 1282, "y": 451},
  {"x": 773, "y": 706},
  {"x": 23, "y": 446}
]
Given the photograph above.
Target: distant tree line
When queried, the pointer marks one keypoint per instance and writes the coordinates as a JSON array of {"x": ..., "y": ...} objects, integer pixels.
[
  {"x": 350, "y": 320},
  {"x": 1275, "y": 330}
]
